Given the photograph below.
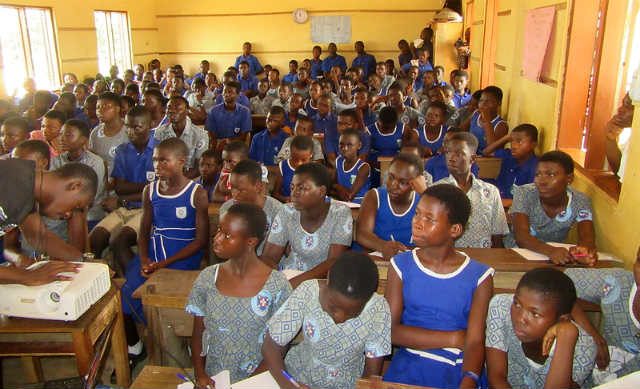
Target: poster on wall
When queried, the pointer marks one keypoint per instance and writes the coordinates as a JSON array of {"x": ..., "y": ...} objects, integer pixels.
[
  {"x": 537, "y": 32},
  {"x": 326, "y": 29}
]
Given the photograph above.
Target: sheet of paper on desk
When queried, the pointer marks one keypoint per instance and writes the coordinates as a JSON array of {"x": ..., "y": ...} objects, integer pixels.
[
  {"x": 629, "y": 381},
  {"x": 222, "y": 380},
  {"x": 290, "y": 273},
  {"x": 348, "y": 204},
  {"x": 260, "y": 381},
  {"x": 533, "y": 256}
]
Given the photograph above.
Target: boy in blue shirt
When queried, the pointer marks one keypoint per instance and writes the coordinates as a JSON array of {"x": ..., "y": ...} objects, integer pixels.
[
  {"x": 423, "y": 62},
  {"x": 292, "y": 76},
  {"x": 229, "y": 120},
  {"x": 333, "y": 59},
  {"x": 325, "y": 122},
  {"x": 132, "y": 170},
  {"x": 462, "y": 95},
  {"x": 266, "y": 144},
  {"x": 316, "y": 63},
  {"x": 254, "y": 64},
  {"x": 518, "y": 163},
  {"x": 248, "y": 82},
  {"x": 364, "y": 60}
]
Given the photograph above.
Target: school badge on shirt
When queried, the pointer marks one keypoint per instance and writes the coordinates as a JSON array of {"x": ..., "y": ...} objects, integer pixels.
[
  {"x": 261, "y": 302},
  {"x": 151, "y": 176},
  {"x": 181, "y": 212}
]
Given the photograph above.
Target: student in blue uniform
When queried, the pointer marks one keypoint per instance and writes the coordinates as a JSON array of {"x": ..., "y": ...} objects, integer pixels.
[
  {"x": 301, "y": 153},
  {"x": 333, "y": 59},
  {"x": 436, "y": 166},
  {"x": 266, "y": 144},
  {"x": 486, "y": 123},
  {"x": 462, "y": 95},
  {"x": 384, "y": 221},
  {"x": 311, "y": 105},
  {"x": 229, "y": 120},
  {"x": 352, "y": 173},
  {"x": 386, "y": 134},
  {"x": 431, "y": 333},
  {"x": 316, "y": 63},
  {"x": 431, "y": 134},
  {"x": 519, "y": 163},
  {"x": 209, "y": 167},
  {"x": 254, "y": 64},
  {"x": 173, "y": 231}
]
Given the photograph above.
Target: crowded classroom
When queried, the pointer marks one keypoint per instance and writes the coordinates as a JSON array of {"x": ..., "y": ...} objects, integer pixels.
[{"x": 261, "y": 182}]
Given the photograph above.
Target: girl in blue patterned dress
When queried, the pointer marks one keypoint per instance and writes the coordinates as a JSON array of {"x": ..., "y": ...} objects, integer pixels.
[
  {"x": 438, "y": 298},
  {"x": 352, "y": 173},
  {"x": 231, "y": 302},
  {"x": 346, "y": 328},
  {"x": 431, "y": 134}
]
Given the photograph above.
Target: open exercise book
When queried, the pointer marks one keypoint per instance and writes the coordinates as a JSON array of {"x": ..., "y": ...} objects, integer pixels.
[
  {"x": 223, "y": 381},
  {"x": 533, "y": 256}
]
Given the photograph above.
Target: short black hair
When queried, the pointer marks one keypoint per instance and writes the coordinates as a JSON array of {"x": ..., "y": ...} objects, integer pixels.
[
  {"x": 237, "y": 146},
  {"x": 117, "y": 81},
  {"x": 250, "y": 169},
  {"x": 180, "y": 98},
  {"x": 56, "y": 115},
  {"x": 138, "y": 111},
  {"x": 354, "y": 275},
  {"x": 198, "y": 82},
  {"x": 17, "y": 122},
  {"x": 209, "y": 153},
  {"x": 68, "y": 97},
  {"x": 176, "y": 146},
  {"x": 243, "y": 63},
  {"x": 495, "y": 92},
  {"x": 80, "y": 171},
  {"x": 439, "y": 105},
  {"x": 394, "y": 86},
  {"x": 82, "y": 86},
  {"x": 129, "y": 100},
  {"x": 388, "y": 116},
  {"x": 477, "y": 94},
  {"x": 460, "y": 73},
  {"x": 276, "y": 110},
  {"x": 253, "y": 216},
  {"x": 43, "y": 95},
  {"x": 293, "y": 62},
  {"x": 110, "y": 96},
  {"x": 448, "y": 87},
  {"x": 439, "y": 67},
  {"x": 455, "y": 201},
  {"x": 155, "y": 93},
  {"x": 411, "y": 160},
  {"x": 351, "y": 132},
  {"x": 233, "y": 84},
  {"x": 350, "y": 112},
  {"x": 318, "y": 173},
  {"x": 35, "y": 146},
  {"x": 466, "y": 137},
  {"x": 305, "y": 119},
  {"x": 81, "y": 125},
  {"x": 561, "y": 158},
  {"x": 529, "y": 130},
  {"x": 552, "y": 284},
  {"x": 91, "y": 99},
  {"x": 132, "y": 88},
  {"x": 301, "y": 142},
  {"x": 360, "y": 89}
]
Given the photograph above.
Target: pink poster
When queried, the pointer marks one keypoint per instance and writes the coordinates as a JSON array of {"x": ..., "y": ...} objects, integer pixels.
[{"x": 537, "y": 31}]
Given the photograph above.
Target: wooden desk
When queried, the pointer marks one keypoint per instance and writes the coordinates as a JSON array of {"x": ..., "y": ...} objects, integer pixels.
[
  {"x": 31, "y": 337},
  {"x": 488, "y": 167},
  {"x": 158, "y": 377},
  {"x": 375, "y": 382},
  {"x": 384, "y": 163},
  {"x": 164, "y": 297}
]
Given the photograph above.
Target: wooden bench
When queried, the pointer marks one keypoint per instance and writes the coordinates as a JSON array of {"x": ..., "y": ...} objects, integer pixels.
[{"x": 375, "y": 382}]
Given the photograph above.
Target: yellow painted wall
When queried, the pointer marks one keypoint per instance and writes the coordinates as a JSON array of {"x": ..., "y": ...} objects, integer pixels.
[
  {"x": 76, "y": 34},
  {"x": 215, "y": 30},
  {"x": 539, "y": 103}
]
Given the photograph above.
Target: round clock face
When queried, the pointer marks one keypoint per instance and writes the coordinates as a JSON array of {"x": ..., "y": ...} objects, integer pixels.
[{"x": 300, "y": 15}]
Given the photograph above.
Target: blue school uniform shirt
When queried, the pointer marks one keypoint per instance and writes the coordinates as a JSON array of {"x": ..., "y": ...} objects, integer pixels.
[
  {"x": 434, "y": 145},
  {"x": 389, "y": 223},
  {"x": 365, "y": 61},
  {"x": 265, "y": 147},
  {"x": 369, "y": 117},
  {"x": 327, "y": 125},
  {"x": 209, "y": 188},
  {"x": 346, "y": 178},
  {"x": 337, "y": 60},
  {"x": 421, "y": 68},
  {"x": 310, "y": 109},
  {"x": 228, "y": 124},
  {"x": 513, "y": 174},
  {"x": 316, "y": 68},
  {"x": 254, "y": 64},
  {"x": 386, "y": 145},
  {"x": 133, "y": 166},
  {"x": 446, "y": 309},
  {"x": 461, "y": 100},
  {"x": 249, "y": 83},
  {"x": 287, "y": 176},
  {"x": 476, "y": 129},
  {"x": 242, "y": 100},
  {"x": 290, "y": 78},
  {"x": 437, "y": 167}
]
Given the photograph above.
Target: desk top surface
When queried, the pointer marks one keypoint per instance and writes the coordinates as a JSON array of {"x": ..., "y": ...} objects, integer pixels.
[
  {"x": 88, "y": 319},
  {"x": 158, "y": 377}
]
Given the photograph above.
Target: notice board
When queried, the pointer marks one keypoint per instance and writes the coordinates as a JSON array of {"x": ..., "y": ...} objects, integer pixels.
[
  {"x": 537, "y": 32},
  {"x": 326, "y": 29}
]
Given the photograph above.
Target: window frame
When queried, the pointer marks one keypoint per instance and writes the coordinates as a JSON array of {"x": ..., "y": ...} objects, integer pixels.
[{"x": 112, "y": 58}]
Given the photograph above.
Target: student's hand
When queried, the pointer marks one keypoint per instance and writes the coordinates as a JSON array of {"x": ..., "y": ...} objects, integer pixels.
[
  {"x": 419, "y": 184},
  {"x": 148, "y": 269},
  {"x": 204, "y": 382},
  {"x": 50, "y": 272},
  {"x": 560, "y": 256},
  {"x": 561, "y": 330},
  {"x": 110, "y": 204},
  {"x": 392, "y": 248},
  {"x": 602, "y": 355},
  {"x": 584, "y": 255}
]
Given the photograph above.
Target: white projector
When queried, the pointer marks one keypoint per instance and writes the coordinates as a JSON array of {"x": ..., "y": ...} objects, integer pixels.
[{"x": 59, "y": 300}]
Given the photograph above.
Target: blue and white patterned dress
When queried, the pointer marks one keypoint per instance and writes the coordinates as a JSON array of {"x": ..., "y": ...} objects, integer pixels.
[
  {"x": 331, "y": 356},
  {"x": 234, "y": 326}
]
